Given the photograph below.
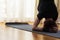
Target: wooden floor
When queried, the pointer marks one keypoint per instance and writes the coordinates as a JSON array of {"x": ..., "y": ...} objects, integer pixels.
[{"x": 7, "y": 33}]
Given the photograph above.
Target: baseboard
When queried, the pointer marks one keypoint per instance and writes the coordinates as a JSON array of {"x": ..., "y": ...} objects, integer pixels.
[{"x": 16, "y": 23}]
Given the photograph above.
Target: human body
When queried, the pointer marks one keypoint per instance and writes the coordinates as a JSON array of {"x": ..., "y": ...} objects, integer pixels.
[{"x": 47, "y": 9}]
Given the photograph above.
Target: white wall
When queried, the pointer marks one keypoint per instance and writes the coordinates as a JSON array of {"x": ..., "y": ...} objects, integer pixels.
[{"x": 17, "y": 9}]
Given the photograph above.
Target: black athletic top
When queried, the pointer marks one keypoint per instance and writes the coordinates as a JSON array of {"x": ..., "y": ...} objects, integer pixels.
[{"x": 47, "y": 8}]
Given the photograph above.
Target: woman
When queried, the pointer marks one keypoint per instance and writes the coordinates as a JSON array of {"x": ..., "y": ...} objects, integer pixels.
[{"x": 47, "y": 9}]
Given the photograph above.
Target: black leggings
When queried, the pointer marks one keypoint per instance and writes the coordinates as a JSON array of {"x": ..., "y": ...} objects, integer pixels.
[{"x": 47, "y": 16}]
